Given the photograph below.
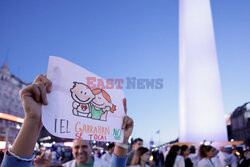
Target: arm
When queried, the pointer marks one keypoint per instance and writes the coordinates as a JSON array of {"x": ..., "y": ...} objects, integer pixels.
[
  {"x": 120, "y": 154},
  {"x": 127, "y": 126},
  {"x": 32, "y": 97}
]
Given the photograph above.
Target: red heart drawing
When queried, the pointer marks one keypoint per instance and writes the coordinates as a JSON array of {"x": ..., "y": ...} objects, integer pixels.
[{"x": 84, "y": 106}]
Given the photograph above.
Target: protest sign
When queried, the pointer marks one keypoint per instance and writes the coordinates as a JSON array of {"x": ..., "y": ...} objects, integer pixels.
[{"x": 78, "y": 110}]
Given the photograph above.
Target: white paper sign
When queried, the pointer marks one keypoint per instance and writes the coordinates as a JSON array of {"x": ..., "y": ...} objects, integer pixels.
[{"x": 81, "y": 104}]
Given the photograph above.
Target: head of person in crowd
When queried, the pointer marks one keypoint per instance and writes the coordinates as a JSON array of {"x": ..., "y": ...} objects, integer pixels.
[
  {"x": 192, "y": 150},
  {"x": 184, "y": 151},
  {"x": 141, "y": 156},
  {"x": 222, "y": 149},
  {"x": 173, "y": 152},
  {"x": 215, "y": 151},
  {"x": 81, "y": 151},
  {"x": 233, "y": 151},
  {"x": 111, "y": 147},
  {"x": 138, "y": 142},
  {"x": 242, "y": 154},
  {"x": 206, "y": 152}
]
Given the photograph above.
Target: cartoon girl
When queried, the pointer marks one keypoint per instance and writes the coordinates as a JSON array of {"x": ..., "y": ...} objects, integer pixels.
[{"x": 101, "y": 104}]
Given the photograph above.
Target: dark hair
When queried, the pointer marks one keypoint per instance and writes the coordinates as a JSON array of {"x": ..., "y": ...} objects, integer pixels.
[
  {"x": 136, "y": 140},
  {"x": 203, "y": 150},
  {"x": 192, "y": 149},
  {"x": 183, "y": 148},
  {"x": 137, "y": 156},
  {"x": 110, "y": 146},
  {"x": 171, "y": 156}
]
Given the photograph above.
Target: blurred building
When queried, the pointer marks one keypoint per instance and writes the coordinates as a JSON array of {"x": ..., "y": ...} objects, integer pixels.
[
  {"x": 229, "y": 128},
  {"x": 11, "y": 111},
  {"x": 240, "y": 123}
]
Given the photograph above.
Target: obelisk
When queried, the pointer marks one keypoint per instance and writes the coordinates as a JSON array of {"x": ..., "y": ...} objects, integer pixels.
[{"x": 201, "y": 109}]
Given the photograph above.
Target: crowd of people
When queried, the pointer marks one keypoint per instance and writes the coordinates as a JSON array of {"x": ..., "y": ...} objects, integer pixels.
[
  {"x": 21, "y": 154},
  {"x": 177, "y": 156},
  {"x": 189, "y": 156}
]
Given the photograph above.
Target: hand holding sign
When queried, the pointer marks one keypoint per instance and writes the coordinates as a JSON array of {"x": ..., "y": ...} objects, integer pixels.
[
  {"x": 128, "y": 124},
  {"x": 34, "y": 95}
]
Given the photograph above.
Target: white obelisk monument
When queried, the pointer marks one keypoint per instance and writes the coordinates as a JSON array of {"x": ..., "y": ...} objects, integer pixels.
[{"x": 201, "y": 110}]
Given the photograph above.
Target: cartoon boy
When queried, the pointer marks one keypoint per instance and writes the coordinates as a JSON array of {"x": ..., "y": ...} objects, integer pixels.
[
  {"x": 101, "y": 104},
  {"x": 82, "y": 96}
]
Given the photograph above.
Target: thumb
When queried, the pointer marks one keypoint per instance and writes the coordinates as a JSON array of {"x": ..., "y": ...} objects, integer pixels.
[{"x": 125, "y": 105}]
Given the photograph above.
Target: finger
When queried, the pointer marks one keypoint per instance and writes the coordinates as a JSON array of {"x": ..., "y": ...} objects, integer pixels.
[
  {"x": 45, "y": 80},
  {"x": 125, "y": 105},
  {"x": 42, "y": 155},
  {"x": 49, "y": 157},
  {"x": 36, "y": 92},
  {"x": 129, "y": 122},
  {"x": 47, "y": 83},
  {"x": 42, "y": 92},
  {"x": 30, "y": 90},
  {"x": 125, "y": 120},
  {"x": 36, "y": 160}
]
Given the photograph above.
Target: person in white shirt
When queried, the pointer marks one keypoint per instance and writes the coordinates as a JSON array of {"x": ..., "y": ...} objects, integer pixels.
[
  {"x": 193, "y": 155},
  {"x": 215, "y": 159},
  {"x": 184, "y": 154},
  {"x": 108, "y": 155},
  {"x": 234, "y": 159},
  {"x": 224, "y": 157},
  {"x": 179, "y": 161},
  {"x": 206, "y": 154},
  {"x": 138, "y": 142},
  {"x": 173, "y": 158}
]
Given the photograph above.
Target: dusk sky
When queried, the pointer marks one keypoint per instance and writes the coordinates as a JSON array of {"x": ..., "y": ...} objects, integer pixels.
[{"x": 126, "y": 38}]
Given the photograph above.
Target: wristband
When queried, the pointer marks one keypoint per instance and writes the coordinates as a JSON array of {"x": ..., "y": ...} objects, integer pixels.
[
  {"x": 122, "y": 145},
  {"x": 20, "y": 158}
]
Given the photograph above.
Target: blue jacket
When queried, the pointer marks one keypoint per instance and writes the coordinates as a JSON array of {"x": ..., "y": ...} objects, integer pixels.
[{"x": 10, "y": 161}]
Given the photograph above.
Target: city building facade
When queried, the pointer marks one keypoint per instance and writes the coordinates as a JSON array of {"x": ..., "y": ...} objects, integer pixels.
[
  {"x": 240, "y": 124},
  {"x": 11, "y": 111}
]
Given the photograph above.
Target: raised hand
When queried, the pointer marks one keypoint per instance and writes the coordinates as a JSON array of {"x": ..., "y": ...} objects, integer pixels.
[
  {"x": 128, "y": 123},
  {"x": 34, "y": 95},
  {"x": 42, "y": 160}
]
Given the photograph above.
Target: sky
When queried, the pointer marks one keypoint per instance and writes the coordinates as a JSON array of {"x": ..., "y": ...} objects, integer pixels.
[{"x": 126, "y": 38}]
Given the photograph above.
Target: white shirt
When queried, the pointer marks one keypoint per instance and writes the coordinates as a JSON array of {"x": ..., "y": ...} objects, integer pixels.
[
  {"x": 216, "y": 161},
  {"x": 224, "y": 158},
  {"x": 107, "y": 157},
  {"x": 179, "y": 161},
  {"x": 194, "y": 157},
  {"x": 205, "y": 162},
  {"x": 234, "y": 160}
]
